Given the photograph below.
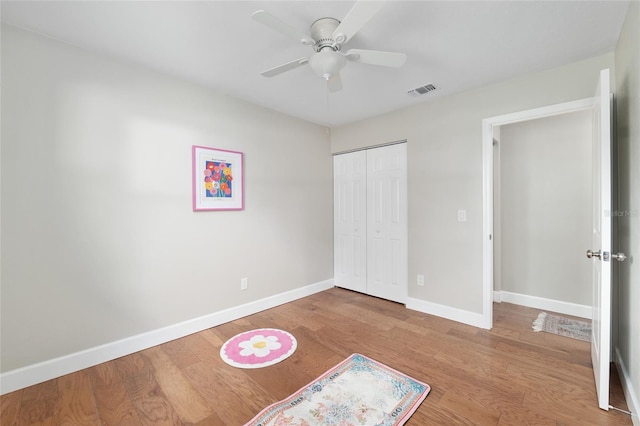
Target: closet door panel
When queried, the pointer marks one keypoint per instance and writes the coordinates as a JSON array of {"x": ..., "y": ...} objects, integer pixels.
[
  {"x": 350, "y": 227},
  {"x": 387, "y": 222}
]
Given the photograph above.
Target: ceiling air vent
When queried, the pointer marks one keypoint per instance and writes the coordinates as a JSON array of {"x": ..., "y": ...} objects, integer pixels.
[{"x": 422, "y": 90}]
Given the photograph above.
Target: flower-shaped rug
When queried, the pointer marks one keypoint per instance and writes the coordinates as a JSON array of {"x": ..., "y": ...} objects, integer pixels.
[{"x": 258, "y": 348}]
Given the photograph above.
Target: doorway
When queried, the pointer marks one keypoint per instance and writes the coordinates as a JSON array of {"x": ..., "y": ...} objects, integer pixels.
[
  {"x": 490, "y": 130},
  {"x": 542, "y": 207}
]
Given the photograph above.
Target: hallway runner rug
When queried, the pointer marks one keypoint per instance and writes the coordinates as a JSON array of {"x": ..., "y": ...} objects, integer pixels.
[
  {"x": 358, "y": 391},
  {"x": 562, "y": 326},
  {"x": 258, "y": 348}
]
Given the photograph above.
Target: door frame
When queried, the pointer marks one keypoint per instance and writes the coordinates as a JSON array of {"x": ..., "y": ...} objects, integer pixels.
[{"x": 488, "y": 125}]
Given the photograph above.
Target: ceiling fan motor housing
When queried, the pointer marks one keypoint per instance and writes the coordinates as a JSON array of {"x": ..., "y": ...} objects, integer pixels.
[{"x": 322, "y": 31}]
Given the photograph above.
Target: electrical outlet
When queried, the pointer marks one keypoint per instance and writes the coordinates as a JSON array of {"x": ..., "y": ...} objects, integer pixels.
[
  {"x": 420, "y": 280},
  {"x": 244, "y": 283}
]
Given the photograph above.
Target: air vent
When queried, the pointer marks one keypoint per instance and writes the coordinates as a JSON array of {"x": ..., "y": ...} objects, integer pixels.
[{"x": 422, "y": 90}]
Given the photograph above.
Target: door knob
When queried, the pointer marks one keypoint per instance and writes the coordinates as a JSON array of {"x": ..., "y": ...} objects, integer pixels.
[
  {"x": 620, "y": 257},
  {"x": 591, "y": 253}
]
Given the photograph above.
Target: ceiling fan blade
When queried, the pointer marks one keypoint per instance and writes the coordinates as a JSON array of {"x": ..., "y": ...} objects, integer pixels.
[
  {"x": 376, "y": 57},
  {"x": 282, "y": 27},
  {"x": 284, "y": 67},
  {"x": 334, "y": 84},
  {"x": 360, "y": 14}
]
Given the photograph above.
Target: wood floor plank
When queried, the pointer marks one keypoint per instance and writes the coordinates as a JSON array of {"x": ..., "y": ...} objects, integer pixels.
[
  {"x": 180, "y": 353},
  {"x": 509, "y": 375},
  {"x": 572, "y": 410},
  {"x": 112, "y": 401},
  {"x": 310, "y": 356},
  {"x": 240, "y": 391},
  {"x": 151, "y": 404},
  {"x": 185, "y": 399},
  {"x": 437, "y": 415},
  {"x": 471, "y": 410},
  {"x": 76, "y": 404},
  {"x": 210, "y": 336},
  {"x": 38, "y": 405},
  {"x": 525, "y": 416},
  {"x": 291, "y": 316},
  {"x": 10, "y": 408},
  {"x": 202, "y": 348}
]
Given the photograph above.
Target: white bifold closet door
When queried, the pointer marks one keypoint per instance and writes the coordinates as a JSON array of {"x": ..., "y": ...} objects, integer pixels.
[
  {"x": 370, "y": 221},
  {"x": 350, "y": 220}
]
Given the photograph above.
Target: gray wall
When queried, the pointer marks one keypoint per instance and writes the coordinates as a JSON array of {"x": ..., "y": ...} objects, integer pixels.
[
  {"x": 627, "y": 220},
  {"x": 99, "y": 242},
  {"x": 445, "y": 171},
  {"x": 546, "y": 209}
]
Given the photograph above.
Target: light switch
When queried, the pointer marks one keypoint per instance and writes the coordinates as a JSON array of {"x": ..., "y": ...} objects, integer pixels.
[{"x": 462, "y": 215}]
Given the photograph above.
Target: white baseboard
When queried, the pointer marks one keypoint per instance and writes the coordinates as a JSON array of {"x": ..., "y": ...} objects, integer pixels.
[
  {"x": 567, "y": 308},
  {"x": 50, "y": 369},
  {"x": 630, "y": 394},
  {"x": 454, "y": 314}
]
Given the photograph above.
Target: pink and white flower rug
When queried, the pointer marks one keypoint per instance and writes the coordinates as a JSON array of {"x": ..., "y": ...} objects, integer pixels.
[
  {"x": 358, "y": 391},
  {"x": 258, "y": 348}
]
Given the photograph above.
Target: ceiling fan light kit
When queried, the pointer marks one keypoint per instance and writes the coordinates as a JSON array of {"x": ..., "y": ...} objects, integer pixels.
[
  {"x": 327, "y": 35},
  {"x": 327, "y": 63}
]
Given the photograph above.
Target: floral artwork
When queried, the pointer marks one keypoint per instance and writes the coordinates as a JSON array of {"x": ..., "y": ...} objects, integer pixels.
[
  {"x": 258, "y": 348},
  {"x": 358, "y": 391},
  {"x": 217, "y": 179}
]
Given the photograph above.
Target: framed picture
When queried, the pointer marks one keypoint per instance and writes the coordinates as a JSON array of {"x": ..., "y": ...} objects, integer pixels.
[{"x": 218, "y": 179}]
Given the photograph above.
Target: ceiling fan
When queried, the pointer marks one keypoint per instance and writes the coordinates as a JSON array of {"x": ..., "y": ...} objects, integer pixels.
[{"x": 327, "y": 35}]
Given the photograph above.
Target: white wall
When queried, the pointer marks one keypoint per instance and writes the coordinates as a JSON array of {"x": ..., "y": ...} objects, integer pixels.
[
  {"x": 445, "y": 172},
  {"x": 627, "y": 220},
  {"x": 546, "y": 208},
  {"x": 99, "y": 241}
]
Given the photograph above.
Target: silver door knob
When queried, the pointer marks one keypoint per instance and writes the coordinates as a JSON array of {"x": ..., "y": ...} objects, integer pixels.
[
  {"x": 591, "y": 253},
  {"x": 620, "y": 257}
]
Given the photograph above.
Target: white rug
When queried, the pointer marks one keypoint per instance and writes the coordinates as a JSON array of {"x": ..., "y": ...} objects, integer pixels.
[{"x": 568, "y": 327}]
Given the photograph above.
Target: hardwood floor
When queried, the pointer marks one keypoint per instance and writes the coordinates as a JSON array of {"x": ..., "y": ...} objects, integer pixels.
[{"x": 507, "y": 376}]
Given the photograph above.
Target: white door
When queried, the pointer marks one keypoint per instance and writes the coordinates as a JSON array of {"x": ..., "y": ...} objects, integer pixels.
[
  {"x": 350, "y": 216},
  {"x": 387, "y": 222},
  {"x": 601, "y": 244}
]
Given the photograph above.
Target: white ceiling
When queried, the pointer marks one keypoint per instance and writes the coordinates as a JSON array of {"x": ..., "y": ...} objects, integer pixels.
[{"x": 456, "y": 45}]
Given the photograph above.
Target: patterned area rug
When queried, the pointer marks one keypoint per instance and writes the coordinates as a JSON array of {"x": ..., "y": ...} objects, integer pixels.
[
  {"x": 358, "y": 391},
  {"x": 567, "y": 327},
  {"x": 258, "y": 348}
]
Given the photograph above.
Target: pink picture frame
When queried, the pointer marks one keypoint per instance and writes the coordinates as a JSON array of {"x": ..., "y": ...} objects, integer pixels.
[{"x": 218, "y": 179}]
